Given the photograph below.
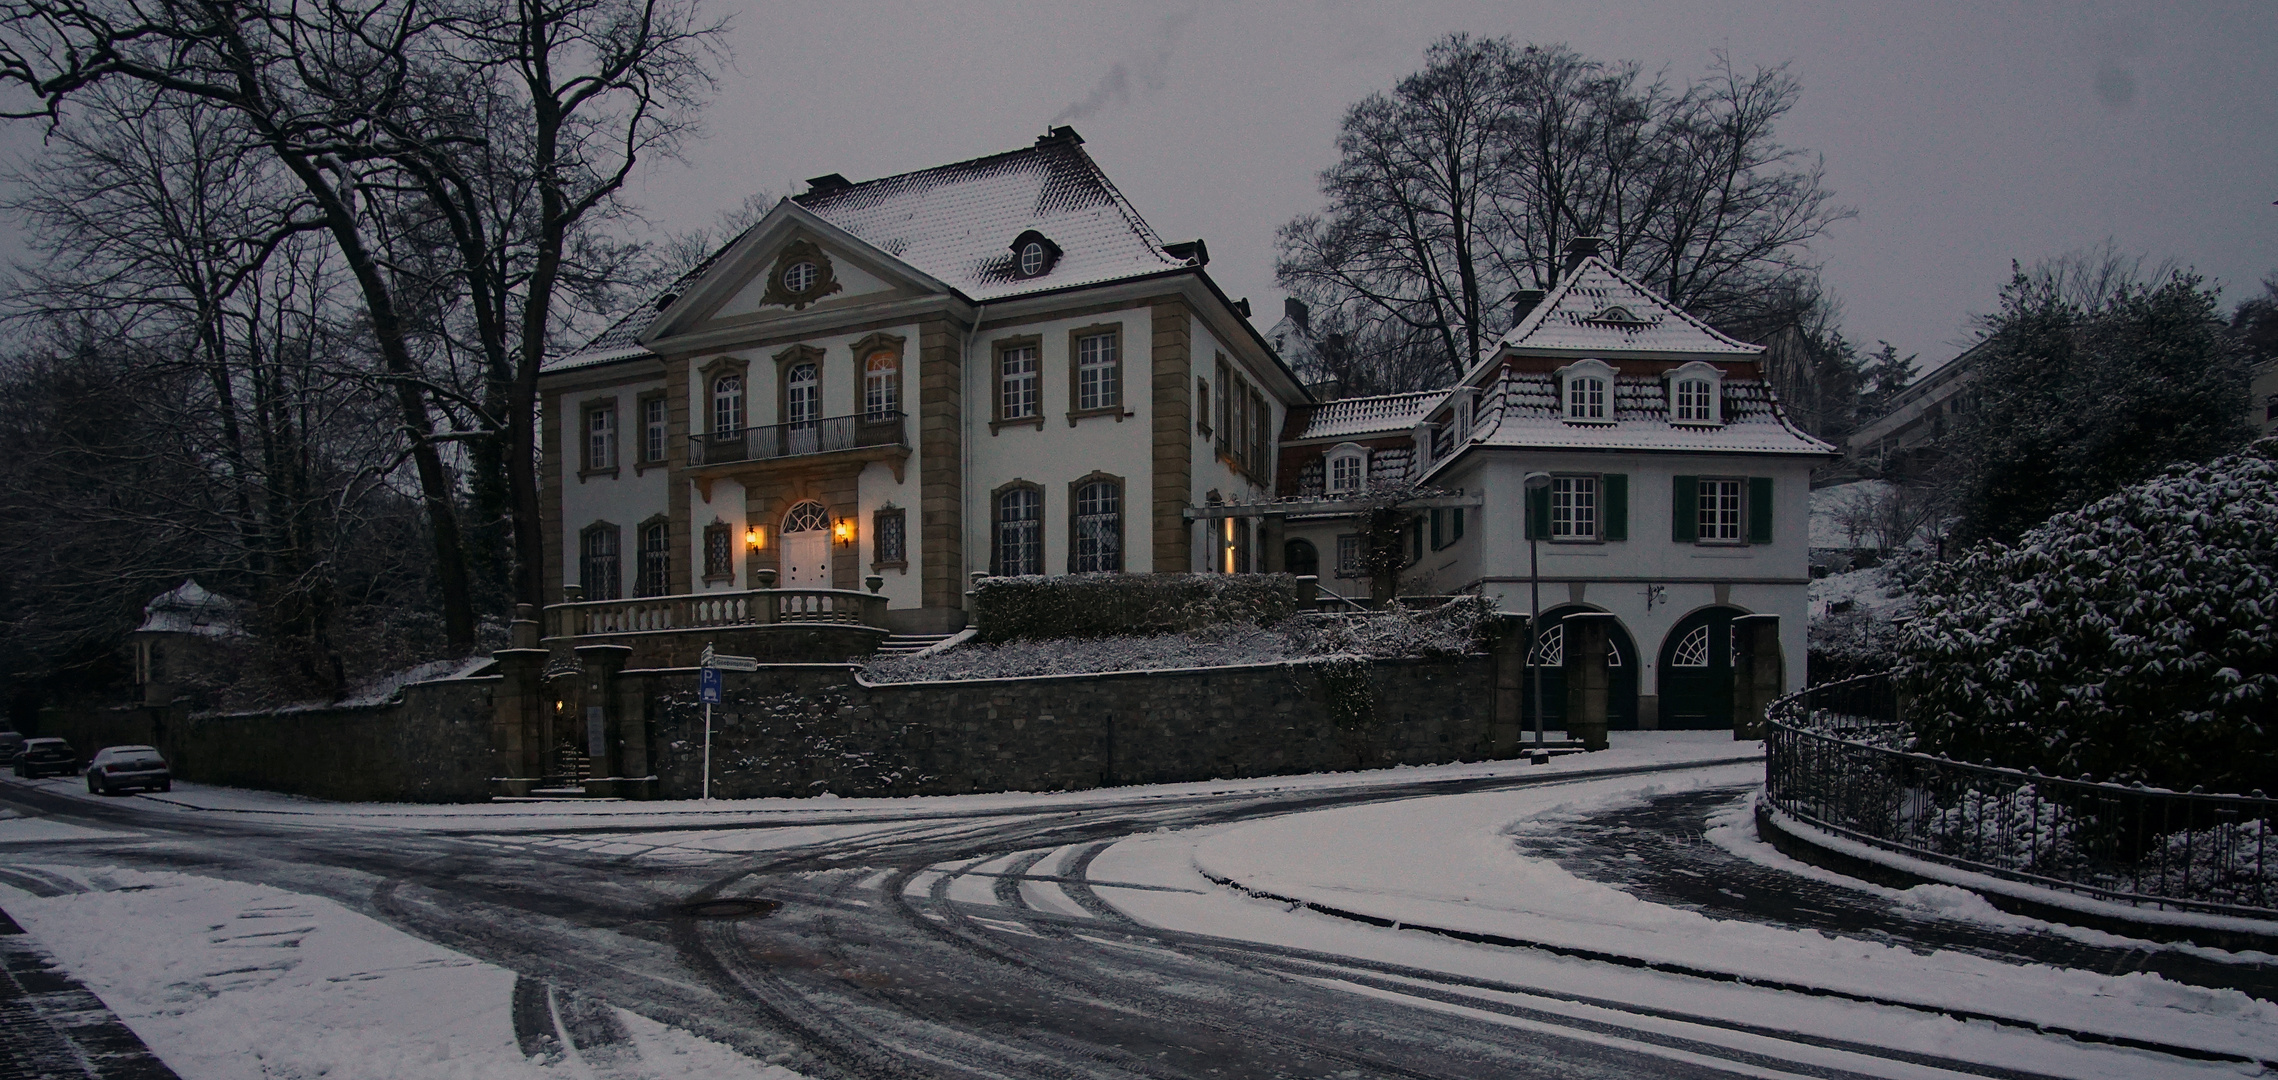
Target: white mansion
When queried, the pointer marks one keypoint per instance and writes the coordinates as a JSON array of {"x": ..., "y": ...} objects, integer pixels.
[{"x": 997, "y": 367}]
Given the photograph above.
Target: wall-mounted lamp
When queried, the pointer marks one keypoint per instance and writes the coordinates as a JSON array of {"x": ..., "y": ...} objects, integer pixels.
[
  {"x": 843, "y": 532},
  {"x": 755, "y": 537}
]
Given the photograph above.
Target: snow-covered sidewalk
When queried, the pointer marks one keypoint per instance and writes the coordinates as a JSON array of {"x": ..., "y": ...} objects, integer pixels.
[
  {"x": 1449, "y": 863},
  {"x": 230, "y": 981}
]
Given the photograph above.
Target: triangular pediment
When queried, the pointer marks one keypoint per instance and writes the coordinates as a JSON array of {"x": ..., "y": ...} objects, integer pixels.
[
  {"x": 791, "y": 264},
  {"x": 1600, "y": 311}
]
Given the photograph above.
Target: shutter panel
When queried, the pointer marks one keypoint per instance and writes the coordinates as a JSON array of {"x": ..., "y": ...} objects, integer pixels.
[
  {"x": 1458, "y": 534},
  {"x": 1538, "y": 514},
  {"x": 1759, "y": 509},
  {"x": 1685, "y": 509},
  {"x": 1616, "y": 486},
  {"x": 1437, "y": 541}
]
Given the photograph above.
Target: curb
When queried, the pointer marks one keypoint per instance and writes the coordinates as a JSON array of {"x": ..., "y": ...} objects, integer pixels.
[
  {"x": 1623, "y": 960},
  {"x": 1796, "y": 845},
  {"x": 60, "y": 1025}
]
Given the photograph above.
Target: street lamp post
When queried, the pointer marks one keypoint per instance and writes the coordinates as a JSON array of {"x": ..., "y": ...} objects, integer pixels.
[{"x": 1535, "y": 482}]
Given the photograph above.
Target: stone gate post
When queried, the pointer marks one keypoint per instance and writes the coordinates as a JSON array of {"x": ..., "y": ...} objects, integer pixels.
[
  {"x": 1508, "y": 646},
  {"x": 1759, "y": 672},
  {"x": 602, "y": 732},
  {"x": 517, "y": 708},
  {"x": 1589, "y": 685}
]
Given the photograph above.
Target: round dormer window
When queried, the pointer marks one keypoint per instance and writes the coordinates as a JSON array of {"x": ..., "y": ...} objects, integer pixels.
[
  {"x": 1031, "y": 258},
  {"x": 799, "y": 277}
]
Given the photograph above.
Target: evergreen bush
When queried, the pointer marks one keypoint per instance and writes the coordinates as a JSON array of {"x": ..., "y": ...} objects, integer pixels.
[{"x": 2135, "y": 639}]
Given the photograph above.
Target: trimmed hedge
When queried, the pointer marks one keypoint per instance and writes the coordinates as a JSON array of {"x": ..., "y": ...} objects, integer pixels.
[{"x": 1099, "y": 605}]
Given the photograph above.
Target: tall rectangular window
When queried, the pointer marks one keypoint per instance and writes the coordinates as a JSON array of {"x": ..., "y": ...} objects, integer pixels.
[
  {"x": 1574, "y": 508},
  {"x": 889, "y": 537},
  {"x": 653, "y": 429},
  {"x": 1202, "y": 405},
  {"x": 1096, "y": 542},
  {"x": 598, "y": 569},
  {"x": 1239, "y": 442},
  {"x": 1261, "y": 437},
  {"x": 727, "y": 405},
  {"x": 1693, "y": 401},
  {"x": 1099, "y": 372},
  {"x": 601, "y": 436},
  {"x": 1016, "y": 383},
  {"x": 1349, "y": 555},
  {"x": 719, "y": 552},
  {"x": 882, "y": 385},
  {"x": 1719, "y": 511},
  {"x": 1019, "y": 532},
  {"x": 656, "y": 560},
  {"x": 1225, "y": 396}
]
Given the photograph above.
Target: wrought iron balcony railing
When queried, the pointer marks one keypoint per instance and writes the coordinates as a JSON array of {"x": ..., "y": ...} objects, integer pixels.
[{"x": 827, "y": 435}]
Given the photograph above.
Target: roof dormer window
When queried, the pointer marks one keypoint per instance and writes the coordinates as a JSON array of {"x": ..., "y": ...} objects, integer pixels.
[
  {"x": 1696, "y": 393},
  {"x": 1586, "y": 392},
  {"x": 1033, "y": 254},
  {"x": 1345, "y": 470}
]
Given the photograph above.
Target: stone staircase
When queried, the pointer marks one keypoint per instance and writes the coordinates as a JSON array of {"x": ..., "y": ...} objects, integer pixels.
[{"x": 905, "y": 644}]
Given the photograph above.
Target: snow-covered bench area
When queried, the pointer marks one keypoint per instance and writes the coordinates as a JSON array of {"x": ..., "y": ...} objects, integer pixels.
[
  {"x": 1450, "y": 862},
  {"x": 1389, "y": 635}
]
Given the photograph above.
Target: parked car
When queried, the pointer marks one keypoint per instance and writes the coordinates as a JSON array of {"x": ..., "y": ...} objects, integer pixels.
[
  {"x": 116, "y": 768},
  {"x": 42, "y": 756},
  {"x": 10, "y": 742}
]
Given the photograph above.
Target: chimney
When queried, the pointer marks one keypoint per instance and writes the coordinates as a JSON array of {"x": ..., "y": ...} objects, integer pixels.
[
  {"x": 1191, "y": 250},
  {"x": 1295, "y": 310},
  {"x": 1524, "y": 302},
  {"x": 1061, "y": 134},
  {"x": 1578, "y": 249},
  {"x": 827, "y": 183},
  {"x": 1243, "y": 306}
]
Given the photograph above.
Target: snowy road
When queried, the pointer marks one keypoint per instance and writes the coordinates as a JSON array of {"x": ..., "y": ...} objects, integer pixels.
[{"x": 1009, "y": 936}]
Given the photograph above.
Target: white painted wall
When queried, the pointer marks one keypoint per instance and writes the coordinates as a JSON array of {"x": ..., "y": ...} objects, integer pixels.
[{"x": 625, "y": 500}]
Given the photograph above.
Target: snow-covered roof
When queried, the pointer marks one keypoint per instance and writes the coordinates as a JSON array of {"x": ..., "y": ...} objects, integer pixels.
[
  {"x": 189, "y": 609},
  {"x": 1522, "y": 410},
  {"x": 1384, "y": 414},
  {"x": 1294, "y": 342},
  {"x": 1601, "y": 311},
  {"x": 956, "y": 223}
]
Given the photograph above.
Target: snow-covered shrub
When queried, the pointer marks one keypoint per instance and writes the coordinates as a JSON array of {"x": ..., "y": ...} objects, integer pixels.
[
  {"x": 1450, "y": 630},
  {"x": 2133, "y": 639},
  {"x": 1095, "y": 605}
]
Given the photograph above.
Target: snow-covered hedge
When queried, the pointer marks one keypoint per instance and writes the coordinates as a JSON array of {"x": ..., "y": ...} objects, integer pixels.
[
  {"x": 2134, "y": 639},
  {"x": 1449, "y": 630},
  {"x": 1101, "y": 605}
]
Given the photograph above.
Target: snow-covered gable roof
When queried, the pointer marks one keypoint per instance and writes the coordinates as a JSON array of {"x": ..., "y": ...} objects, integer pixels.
[
  {"x": 1522, "y": 410},
  {"x": 1599, "y": 311},
  {"x": 1386, "y": 414},
  {"x": 956, "y": 224},
  {"x": 189, "y": 609}
]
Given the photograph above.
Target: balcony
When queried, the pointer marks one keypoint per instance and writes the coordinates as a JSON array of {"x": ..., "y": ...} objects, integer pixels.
[
  {"x": 866, "y": 438},
  {"x": 781, "y": 625}
]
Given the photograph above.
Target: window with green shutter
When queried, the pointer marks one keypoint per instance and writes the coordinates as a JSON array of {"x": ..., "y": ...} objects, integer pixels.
[
  {"x": 1615, "y": 488},
  {"x": 1685, "y": 509},
  {"x": 1759, "y": 509}
]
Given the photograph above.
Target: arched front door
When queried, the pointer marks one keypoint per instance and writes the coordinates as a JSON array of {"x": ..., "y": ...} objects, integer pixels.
[
  {"x": 807, "y": 547},
  {"x": 1696, "y": 670},
  {"x": 1549, "y": 664},
  {"x": 1299, "y": 557}
]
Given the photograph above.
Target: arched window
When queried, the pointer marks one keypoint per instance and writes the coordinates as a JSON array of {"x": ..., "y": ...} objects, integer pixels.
[
  {"x": 806, "y": 517},
  {"x": 1693, "y": 649},
  {"x": 1301, "y": 557},
  {"x": 598, "y": 563},
  {"x": 1096, "y": 540},
  {"x": 1694, "y": 390},
  {"x": 1550, "y": 648},
  {"x": 1346, "y": 470},
  {"x": 1587, "y": 391},
  {"x": 881, "y": 385},
  {"x": 1018, "y": 533},
  {"x": 1031, "y": 258},
  {"x": 802, "y": 395},
  {"x": 727, "y": 404}
]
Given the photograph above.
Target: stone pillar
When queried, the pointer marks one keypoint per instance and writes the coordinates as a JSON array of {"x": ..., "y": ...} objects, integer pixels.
[
  {"x": 629, "y": 723},
  {"x": 1308, "y": 593},
  {"x": 600, "y": 729},
  {"x": 1589, "y": 685},
  {"x": 1759, "y": 672},
  {"x": 517, "y": 739},
  {"x": 1268, "y": 560},
  {"x": 1508, "y": 645}
]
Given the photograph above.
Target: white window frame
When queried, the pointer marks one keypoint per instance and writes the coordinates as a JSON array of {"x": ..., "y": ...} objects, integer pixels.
[
  {"x": 1019, "y": 396},
  {"x": 881, "y": 385},
  {"x": 1577, "y": 509},
  {"x": 1032, "y": 258},
  {"x": 1707, "y": 412},
  {"x": 1721, "y": 518},
  {"x": 803, "y": 394},
  {"x": 1351, "y": 547},
  {"x": 655, "y": 429},
  {"x": 1344, "y": 456},
  {"x": 1586, "y": 392},
  {"x": 601, "y": 436},
  {"x": 1099, "y": 370},
  {"x": 728, "y": 403}
]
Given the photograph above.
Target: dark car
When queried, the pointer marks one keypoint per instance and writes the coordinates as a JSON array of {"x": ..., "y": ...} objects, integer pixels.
[
  {"x": 40, "y": 757},
  {"x": 10, "y": 742},
  {"x": 117, "y": 768}
]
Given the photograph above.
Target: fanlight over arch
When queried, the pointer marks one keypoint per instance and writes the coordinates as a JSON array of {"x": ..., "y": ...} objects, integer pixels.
[{"x": 806, "y": 517}]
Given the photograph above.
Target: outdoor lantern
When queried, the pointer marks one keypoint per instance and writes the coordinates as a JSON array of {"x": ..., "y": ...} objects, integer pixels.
[
  {"x": 755, "y": 537},
  {"x": 844, "y": 530}
]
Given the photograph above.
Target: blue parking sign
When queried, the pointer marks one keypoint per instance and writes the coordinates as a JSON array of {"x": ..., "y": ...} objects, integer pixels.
[{"x": 708, "y": 685}]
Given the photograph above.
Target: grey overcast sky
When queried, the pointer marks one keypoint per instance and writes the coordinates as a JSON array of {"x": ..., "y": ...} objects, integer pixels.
[{"x": 1966, "y": 135}]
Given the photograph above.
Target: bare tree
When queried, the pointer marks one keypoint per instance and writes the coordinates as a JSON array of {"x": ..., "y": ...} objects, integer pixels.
[{"x": 1463, "y": 184}]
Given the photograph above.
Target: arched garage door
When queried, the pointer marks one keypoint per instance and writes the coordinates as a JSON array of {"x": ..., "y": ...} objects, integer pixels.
[
  {"x": 1549, "y": 664},
  {"x": 1696, "y": 670}
]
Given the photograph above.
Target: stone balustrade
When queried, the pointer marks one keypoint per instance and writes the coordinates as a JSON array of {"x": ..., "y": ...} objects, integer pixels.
[{"x": 698, "y": 611}]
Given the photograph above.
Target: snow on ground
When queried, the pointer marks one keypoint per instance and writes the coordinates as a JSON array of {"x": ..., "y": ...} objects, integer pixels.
[
  {"x": 203, "y": 969},
  {"x": 1827, "y": 530},
  {"x": 1867, "y": 590},
  {"x": 1449, "y": 862},
  {"x": 15, "y": 828}
]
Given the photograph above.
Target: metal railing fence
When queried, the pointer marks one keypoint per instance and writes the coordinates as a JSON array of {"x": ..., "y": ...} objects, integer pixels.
[
  {"x": 819, "y": 436},
  {"x": 1834, "y": 759}
]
